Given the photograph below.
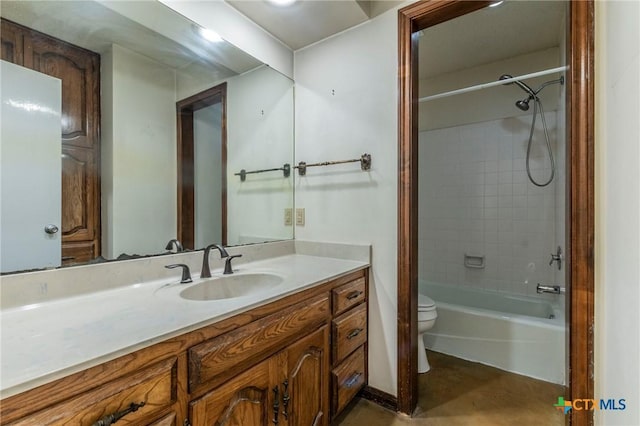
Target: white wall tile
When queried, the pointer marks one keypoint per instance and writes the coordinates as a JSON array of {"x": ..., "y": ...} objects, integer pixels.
[{"x": 480, "y": 201}]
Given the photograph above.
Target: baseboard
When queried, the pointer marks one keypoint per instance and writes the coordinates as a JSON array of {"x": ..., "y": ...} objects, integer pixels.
[{"x": 381, "y": 398}]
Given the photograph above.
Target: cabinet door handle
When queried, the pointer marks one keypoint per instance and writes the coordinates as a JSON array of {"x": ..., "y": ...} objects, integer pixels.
[
  {"x": 110, "y": 419},
  {"x": 354, "y": 294},
  {"x": 285, "y": 399},
  {"x": 353, "y": 380},
  {"x": 276, "y": 404},
  {"x": 354, "y": 333}
]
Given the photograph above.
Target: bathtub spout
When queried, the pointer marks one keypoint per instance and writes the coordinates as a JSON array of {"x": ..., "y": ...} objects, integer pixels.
[{"x": 555, "y": 289}]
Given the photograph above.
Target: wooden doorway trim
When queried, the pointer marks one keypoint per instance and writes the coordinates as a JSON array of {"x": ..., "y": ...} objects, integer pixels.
[
  {"x": 186, "y": 179},
  {"x": 580, "y": 194}
]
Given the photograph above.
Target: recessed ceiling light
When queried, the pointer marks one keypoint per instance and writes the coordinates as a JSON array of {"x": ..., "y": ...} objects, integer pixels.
[
  {"x": 498, "y": 3},
  {"x": 282, "y": 2},
  {"x": 210, "y": 35}
]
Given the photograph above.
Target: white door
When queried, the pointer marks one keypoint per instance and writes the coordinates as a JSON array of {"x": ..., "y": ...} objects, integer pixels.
[{"x": 30, "y": 169}]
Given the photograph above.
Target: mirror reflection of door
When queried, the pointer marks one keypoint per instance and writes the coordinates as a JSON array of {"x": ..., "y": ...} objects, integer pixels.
[
  {"x": 202, "y": 152},
  {"x": 29, "y": 169},
  {"x": 79, "y": 71}
]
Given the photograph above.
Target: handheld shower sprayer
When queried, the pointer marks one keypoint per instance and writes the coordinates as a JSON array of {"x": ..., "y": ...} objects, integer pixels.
[{"x": 537, "y": 107}]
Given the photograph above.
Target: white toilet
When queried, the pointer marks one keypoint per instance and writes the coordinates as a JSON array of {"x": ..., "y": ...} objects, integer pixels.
[{"x": 426, "y": 318}]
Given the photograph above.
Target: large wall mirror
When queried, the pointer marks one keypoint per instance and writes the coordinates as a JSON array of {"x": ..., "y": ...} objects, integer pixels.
[{"x": 124, "y": 126}]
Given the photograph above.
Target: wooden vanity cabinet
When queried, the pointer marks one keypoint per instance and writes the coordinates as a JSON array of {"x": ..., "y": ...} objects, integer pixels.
[
  {"x": 290, "y": 388},
  {"x": 151, "y": 390},
  {"x": 349, "y": 371},
  {"x": 297, "y": 361}
]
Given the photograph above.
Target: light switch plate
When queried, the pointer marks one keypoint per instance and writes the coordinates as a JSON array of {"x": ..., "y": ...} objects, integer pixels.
[
  {"x": 300, "y": 217},
  {"x": 288, "y": 216}
]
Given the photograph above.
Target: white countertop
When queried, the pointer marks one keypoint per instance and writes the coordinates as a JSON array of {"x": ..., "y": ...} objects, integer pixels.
[{"x": 47, "y": 341}]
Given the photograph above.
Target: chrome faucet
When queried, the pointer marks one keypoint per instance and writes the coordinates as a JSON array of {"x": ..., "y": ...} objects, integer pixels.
[
  {"x": 176, "y": 243},
  {"x": 206, "y": 271},
  {"x": 186, "y": 274}
]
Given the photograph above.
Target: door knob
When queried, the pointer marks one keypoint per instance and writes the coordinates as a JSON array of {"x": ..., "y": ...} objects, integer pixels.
[{"x": 51, "y": 229}]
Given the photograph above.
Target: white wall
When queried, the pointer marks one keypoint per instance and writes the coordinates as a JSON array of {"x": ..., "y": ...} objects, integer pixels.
[
  {"x": 138, "y": 154},
  {"x": 346, "y": 105},
  {"x": 238, "y": 30},
  {"x": 259, "y": 136},
  {"x": 617, "y": 335},
  {"x": 475, "y": 198},
  {"x": 207, "y": 141}
]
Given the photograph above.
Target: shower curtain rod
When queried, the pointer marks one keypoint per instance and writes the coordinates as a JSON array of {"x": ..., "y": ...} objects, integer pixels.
[{"x": 493, "y": 83}]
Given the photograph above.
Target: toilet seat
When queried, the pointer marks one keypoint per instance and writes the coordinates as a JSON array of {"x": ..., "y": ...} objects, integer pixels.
[{"x": 425, "y": 303}]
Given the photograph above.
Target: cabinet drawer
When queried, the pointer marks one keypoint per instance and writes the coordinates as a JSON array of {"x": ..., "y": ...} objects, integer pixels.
[
  {"x": 347, "y": 379},
  {"x": 348, "y": 295},
  {"x": 156, "y": 386},
  {"x": 229, "y": 354},
  {"x": 349, "y": 332}
]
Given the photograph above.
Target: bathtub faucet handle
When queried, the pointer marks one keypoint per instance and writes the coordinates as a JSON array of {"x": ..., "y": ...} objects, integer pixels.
[{"x": 557, "y": 257}]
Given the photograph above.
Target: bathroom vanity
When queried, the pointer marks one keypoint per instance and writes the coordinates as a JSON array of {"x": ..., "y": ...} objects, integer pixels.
[{"x": 292, "y": 355}]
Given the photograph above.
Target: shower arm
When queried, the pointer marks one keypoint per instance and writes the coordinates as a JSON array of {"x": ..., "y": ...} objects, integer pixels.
[{"x": 548, "y": 83}]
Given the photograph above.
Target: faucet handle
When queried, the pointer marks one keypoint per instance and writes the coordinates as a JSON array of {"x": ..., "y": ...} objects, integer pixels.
[
  {"x": 557, "y": 257},
  {"x": 227, "y": 264},
  {"x": 186, "y": 274}
]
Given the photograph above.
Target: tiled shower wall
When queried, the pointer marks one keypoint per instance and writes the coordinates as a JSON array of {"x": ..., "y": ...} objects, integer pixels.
[{"x": 475, "y": 198}]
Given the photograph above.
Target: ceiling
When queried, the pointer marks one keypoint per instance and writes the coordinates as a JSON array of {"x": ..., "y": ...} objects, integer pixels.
[
  {"x": 308, "y": 21},
  {"x": 491, "y": 34},
  {"x": 148, "y": 28}
]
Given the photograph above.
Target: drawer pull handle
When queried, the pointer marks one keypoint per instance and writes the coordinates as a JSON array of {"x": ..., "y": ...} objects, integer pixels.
[
  {"x": 110, "y": 419},
  {"x": 285, "y": 399},
  {"x": 354, "y": 294},
  {"x": 276, "y": 404},
  {"x": 354, "y": 333},
  {"x": 353, "y": 380}
]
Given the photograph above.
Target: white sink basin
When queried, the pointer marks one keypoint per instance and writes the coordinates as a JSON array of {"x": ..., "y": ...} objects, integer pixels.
[{"x": 231, "y": 286}]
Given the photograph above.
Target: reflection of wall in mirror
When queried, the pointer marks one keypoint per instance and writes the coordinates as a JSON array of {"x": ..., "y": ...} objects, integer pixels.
[
  {"x": 259, "y": 136},
  {"x": 207, "y": 140},
  {"x": 138, "y": 154}
]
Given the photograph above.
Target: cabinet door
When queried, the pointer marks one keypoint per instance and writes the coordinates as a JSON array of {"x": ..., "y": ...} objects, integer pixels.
[
  {"x": 242, "y": 401},
  {"x": 305, "y": 396}
]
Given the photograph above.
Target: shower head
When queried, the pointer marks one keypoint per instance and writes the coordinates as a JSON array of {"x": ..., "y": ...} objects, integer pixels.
[
  {"x": 524, "y": 104},
  {"x": 522, "y": 85}
]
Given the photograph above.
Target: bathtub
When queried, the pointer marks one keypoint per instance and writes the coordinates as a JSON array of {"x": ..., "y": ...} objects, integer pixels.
[{"x": 520, "y": 334}]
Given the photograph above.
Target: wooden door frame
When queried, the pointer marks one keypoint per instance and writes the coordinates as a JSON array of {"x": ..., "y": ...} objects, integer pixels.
[
  {"x": 186, "y": 178},
  {"x": 580, "y": 194}
]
